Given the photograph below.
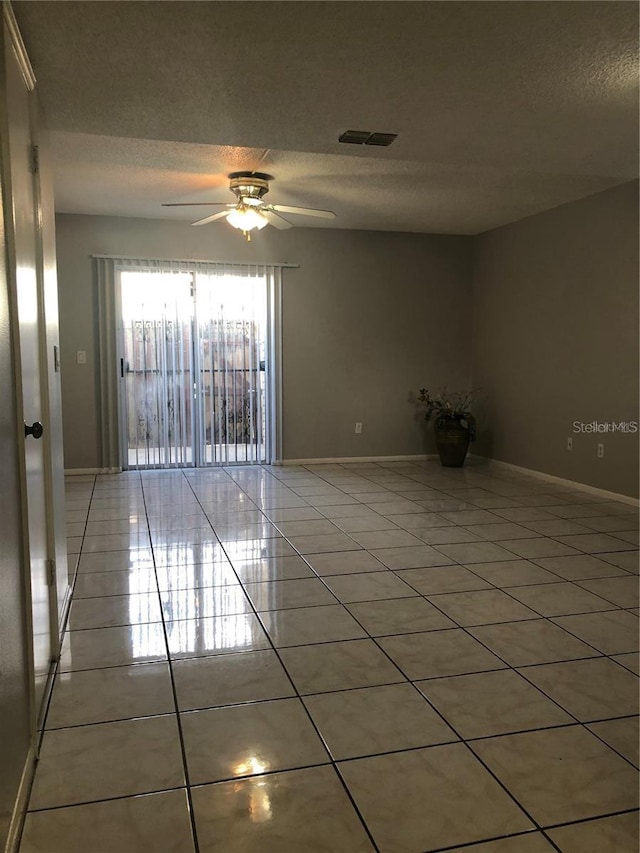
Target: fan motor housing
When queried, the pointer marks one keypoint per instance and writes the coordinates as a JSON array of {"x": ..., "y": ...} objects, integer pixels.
[{"x": 249, "y": 185}]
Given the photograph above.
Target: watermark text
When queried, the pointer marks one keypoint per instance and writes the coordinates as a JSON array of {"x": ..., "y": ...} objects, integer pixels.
[{"x": 606, "y": 426}]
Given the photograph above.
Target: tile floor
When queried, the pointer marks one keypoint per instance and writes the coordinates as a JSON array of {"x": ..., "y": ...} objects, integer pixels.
[{"x": 343, "y": 658}]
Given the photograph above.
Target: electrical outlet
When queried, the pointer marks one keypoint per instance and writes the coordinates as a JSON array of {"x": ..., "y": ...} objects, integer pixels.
[
  {"x": 358, "y": 429},
  {"x": 569, "y": 443},
  {"x": 600, "y": 451}
]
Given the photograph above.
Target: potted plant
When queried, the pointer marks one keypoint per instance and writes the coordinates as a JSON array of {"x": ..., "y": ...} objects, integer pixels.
[{"x": 455, "y": 426}]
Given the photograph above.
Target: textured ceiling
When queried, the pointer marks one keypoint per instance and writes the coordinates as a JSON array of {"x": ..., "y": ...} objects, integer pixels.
[{"x": 502, "y": 109}]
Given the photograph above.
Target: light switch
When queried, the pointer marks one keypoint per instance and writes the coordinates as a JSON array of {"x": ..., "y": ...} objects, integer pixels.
[{"x": 81, "y": 356}]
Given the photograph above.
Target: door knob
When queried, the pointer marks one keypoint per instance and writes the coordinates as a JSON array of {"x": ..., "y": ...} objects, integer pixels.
[{"x": 36, "y": 429}]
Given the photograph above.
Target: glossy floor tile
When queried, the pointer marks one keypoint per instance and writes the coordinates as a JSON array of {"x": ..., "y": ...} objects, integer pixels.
[
  {"x": 561, "y": 774},
  {"x": 559, "y": 599},
  {"x": 531, "y": 842},
  {"x": 306, "y": 625},
  {"x": 115, "y": 610},
  {"x": 208, "y": 682},
  {"x": 247, "y": 740},
  {"x": 477, "y": 552},
  {"x": 98, "y": 762},
  {"x": 214, "y": 635},
  {"x": 621, "y": 735},
  {"x": 399, "y": 616},
  {"x": 343, "y": 563},
  {"x": 492, "y": 703},
  {"x": 530, "y": 642},
  {"x": 375, "y": 720},
  {"x": 611, "y": 633},
  {"x": 133, "y": 824},
  {"x": 618, "y": 834},
  {"x": 118, "y": 693},
  {"x": 201, "y": 601},
  {"x": 594, "y": 689},
  {"x": 99, "y": 647},
  {"x": 513, "y": 573},
  {"x": 411, "y": 557},
  {"x": 622, "y": 591},
  {"x": 538, "y": 547},
  {"x": 421, "y": 791},
  {"x": 338, "y": 666},
  {"x": 280, "y": 813},
  {"x": 101, "y": 584},
  {"x": 630, "y": 660},
  {"x": 340, "y": 658},
  {"x": 281, "y": 595},
  {"x": 579, "y": 568},
  {"x": 482, "y": 607},
  {"x": 194, "y": 575},
  {"x": 110, "y": 561},
  {"x": 272, "y": 569},
  {"x": 439, "y": 653},
  {"x": 440, "y": 579},
  {"x": 371, "y": 586}
]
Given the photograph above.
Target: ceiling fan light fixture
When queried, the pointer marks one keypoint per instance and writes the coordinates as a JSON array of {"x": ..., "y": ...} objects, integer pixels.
[
  {"x": 246, "y": 219},
  {"x": 250, "y": 212}
]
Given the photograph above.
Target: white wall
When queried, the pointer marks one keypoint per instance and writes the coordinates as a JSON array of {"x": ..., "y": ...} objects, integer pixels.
[{"x": 368, "y": 318}]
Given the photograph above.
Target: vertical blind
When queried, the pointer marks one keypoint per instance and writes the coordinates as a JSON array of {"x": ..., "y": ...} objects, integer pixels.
[{"x": 220, "y": 361}]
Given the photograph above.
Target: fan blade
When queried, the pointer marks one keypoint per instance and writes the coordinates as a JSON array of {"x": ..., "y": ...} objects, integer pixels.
[
  {"x": 196, "y": 204},
  {"x": 304, "y": 211},
  {"x": 211, "y": 218},
  {"x": 275, "y": 220}
]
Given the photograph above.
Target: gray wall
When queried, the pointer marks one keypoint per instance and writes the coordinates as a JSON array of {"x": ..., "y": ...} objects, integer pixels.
[
  {"x": 368, "y": 318},
  {"x": 555, "y": 311}
]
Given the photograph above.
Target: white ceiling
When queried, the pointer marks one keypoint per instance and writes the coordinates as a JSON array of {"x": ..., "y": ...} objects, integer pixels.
[{"x": 502, "y": 109}]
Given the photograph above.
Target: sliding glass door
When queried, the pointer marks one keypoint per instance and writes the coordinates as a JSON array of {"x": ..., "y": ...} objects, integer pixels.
[
  {"x": 231, "y": 362},
  {"x": 193, "y": 367},
  {"x": 157, "y": 369}
]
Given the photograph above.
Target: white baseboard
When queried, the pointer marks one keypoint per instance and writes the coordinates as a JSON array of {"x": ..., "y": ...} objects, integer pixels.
[
  {"x": 22, "y": 800},
  {"x": 86, "y": 472},
  {"x": 560, "y": 481},
  {"x": 339, "y": 460}
]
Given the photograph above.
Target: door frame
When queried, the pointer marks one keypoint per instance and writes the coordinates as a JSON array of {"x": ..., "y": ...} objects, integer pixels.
[
  {"x": 50, "y": 386},
  {"x": 273, "y": 368},
  {"x": 274, "y": 374}
]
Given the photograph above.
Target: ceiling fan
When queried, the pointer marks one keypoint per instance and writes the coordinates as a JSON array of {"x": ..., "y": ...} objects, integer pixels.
[{"x": 250, "y": 211}]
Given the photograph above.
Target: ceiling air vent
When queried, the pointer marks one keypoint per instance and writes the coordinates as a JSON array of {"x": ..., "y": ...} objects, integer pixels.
[
  {"x": 355, "y": 137},
  {"x": 365, "y": 137},
  {"x": 381, "y": 139}
]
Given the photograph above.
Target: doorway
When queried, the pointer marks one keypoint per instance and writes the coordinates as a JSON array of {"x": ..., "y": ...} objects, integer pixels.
[{"x": 195, "y": 365}]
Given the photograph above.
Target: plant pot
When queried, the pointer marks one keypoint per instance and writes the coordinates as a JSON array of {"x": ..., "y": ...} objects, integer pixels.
[{"x": 452, "y": 441}]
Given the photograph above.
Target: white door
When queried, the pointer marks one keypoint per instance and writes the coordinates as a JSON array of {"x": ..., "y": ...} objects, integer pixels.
[
  {"x": 29, "y": 311},
  {"x": 15, "y": 695}
]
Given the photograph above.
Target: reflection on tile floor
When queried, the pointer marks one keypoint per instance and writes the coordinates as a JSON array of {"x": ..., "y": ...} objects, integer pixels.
[{"x": 341, "y": 658}]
